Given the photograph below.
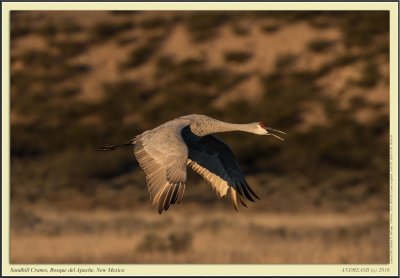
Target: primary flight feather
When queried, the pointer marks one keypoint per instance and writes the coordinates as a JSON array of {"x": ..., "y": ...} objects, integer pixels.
[{"x": 165, "y": 152}]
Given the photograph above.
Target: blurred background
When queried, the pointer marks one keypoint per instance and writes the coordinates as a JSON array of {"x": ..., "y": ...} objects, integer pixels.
[{"x": 80, "y": 79}]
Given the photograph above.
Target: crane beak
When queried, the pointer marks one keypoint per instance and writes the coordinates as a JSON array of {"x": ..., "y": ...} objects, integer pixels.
[{"x": 269, "y": 129}]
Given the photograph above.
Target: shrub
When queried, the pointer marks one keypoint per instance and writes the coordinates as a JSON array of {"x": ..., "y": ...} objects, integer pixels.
[
  {"x": 175, "y": 241},
  {"x": 370, "y": 75},
  {"x": 153, "y": 23},
  {"x": 240, "y": 30},
  {"x": 320, "y": 45},
  {"x": 203, "y": 25},
  {"x": 237, "y": 56},
  {"x": 270, "y": 28},
  {"x": 105, "y": 30},
  {"x": 142, "y": 54}
]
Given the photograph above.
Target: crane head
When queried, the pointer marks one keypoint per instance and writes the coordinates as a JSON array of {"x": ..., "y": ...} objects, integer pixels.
[{"x": 267, "y": 130}]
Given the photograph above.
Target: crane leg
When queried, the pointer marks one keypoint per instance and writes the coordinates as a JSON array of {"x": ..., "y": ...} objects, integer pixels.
[{"x": 109, "y": 147}]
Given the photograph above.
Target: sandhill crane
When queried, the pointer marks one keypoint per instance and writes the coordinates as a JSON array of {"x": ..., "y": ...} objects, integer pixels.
[{"x": 165, "y": 152}]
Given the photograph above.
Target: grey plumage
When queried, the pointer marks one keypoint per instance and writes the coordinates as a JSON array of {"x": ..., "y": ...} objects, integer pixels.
[{"x": 165, "y": 152}]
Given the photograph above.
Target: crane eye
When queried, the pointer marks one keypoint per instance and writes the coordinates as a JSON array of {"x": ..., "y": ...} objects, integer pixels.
[{"x": 262, "y": 125}]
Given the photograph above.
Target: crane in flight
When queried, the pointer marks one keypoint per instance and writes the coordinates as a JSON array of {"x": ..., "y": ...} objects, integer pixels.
[{"x": 165, "y": 152}]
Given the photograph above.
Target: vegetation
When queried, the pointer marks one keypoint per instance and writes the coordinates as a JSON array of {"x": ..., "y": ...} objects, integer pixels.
[
  {"x": 320, "y": 45},
  {"x": 335, "y": 167},
  {"x": 104, "y": 31},
  {"x": 203, "y": 26},
  {"x": 153, "y": 23},
  {"x": 189, "y": 86},
  {"x": 370, "y": 75},
  {"x": 143, "y": 53},
  {"x": 270, "y": 28},
  {"x": 237, "y": 56},
  {"x": 240, "y": 30}
]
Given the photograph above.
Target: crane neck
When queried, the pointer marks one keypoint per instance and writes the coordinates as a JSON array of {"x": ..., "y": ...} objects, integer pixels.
[{"x": 215, "y": 126}]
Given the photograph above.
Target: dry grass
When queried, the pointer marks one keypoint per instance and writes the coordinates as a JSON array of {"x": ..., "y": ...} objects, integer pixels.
[{"x": 200, "y": 236}]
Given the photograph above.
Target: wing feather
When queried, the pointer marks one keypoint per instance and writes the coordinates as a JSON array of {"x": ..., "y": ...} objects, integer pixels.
[
  {"x": 234, "y": 198},
  {"x": 162, "y": 154},
  {"x": 212, "y": 159},
  {"x": 175, "y": 194}
]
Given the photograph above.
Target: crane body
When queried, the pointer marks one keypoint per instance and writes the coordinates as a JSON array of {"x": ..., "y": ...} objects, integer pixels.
[{"x": 165, "y": 152}]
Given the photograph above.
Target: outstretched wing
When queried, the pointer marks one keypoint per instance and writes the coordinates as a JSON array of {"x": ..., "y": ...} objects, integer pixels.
[
  {"x": 215, "y": 162},
  {"x": 162, "y": 154}
]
